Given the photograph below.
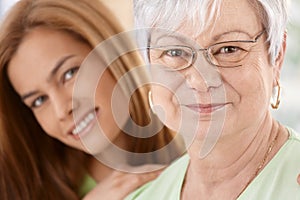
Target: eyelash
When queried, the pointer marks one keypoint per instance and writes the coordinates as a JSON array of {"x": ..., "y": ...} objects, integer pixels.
[
  {"x": 223, "y": 49},
  {"x": 33, "y": 104},
  {"x": 73, "y": 70},
  {"x": 63, "y": 80}
]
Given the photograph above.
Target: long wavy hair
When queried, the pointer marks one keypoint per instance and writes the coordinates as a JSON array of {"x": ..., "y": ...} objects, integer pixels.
[{"x": 33, "y": 165}]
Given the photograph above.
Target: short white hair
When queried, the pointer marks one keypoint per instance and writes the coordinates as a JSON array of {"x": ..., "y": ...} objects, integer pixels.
[{"x": 157, "y": 13}]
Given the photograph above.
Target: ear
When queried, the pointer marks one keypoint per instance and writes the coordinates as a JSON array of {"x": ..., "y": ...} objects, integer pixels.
[{"x": 279, "y": 60}]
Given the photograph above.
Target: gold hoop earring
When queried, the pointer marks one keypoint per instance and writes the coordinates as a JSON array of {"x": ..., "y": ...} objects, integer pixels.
[{"x": 276, "y": 104}]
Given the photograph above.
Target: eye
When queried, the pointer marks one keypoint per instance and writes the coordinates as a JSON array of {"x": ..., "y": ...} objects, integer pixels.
[
  {"x": 69, "y": 74},
  {"x": 38, "y": 101},
  {"x": 172, "y": 57},
  {"x": 174, "y": 52},
  {"x": 228, "y": 49},
  {"x": 178, "y": 54}
]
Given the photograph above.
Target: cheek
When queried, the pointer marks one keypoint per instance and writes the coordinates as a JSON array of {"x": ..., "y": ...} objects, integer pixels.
[
  {"x": 163, "y": 98},
  {"x": 103, "y": 102},
  {"x": 113, "y": 113},
  {"x": 258, "y": 81},
  {"x": 48, "y": 123},
  {"x": 166, "y": 106},
  {"x": 251, "y": 83}
]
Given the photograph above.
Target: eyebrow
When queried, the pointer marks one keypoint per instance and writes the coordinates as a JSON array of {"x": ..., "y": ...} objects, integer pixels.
[
  {"x": 217, "y": 37},
  {"x": 167, "y": 34},
  {"x": 184, "y": 39},
  {"x": 58, "y": 65},
  {"x": 27, "y": 95}
]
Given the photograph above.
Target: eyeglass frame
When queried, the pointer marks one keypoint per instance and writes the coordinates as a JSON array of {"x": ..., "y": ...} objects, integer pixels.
[{"x": 206, "y": 51}]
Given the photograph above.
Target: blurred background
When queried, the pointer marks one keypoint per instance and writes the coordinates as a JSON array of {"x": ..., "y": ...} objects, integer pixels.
[{"x": 289, "y": 109}]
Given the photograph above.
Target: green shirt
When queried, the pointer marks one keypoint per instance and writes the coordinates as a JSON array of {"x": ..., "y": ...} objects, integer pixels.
[
  {"x": 88, "y": 184},
  {"x": 277, "y": 181}
]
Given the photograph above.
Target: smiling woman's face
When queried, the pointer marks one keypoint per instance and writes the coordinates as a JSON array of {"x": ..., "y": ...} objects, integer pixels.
[
  {"x": 241, "y": 95},
  {"x": 43, "y": 72}
]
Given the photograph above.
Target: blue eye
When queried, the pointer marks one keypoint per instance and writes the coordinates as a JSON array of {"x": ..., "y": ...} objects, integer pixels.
[
  {"x": 174, "y": 52},
  {"x": 38, "y": 102},
  {"x": 69, "y": 74}
]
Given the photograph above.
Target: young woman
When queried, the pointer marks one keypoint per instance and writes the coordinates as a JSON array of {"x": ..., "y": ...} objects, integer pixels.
[{"x": 42, "y": 153}]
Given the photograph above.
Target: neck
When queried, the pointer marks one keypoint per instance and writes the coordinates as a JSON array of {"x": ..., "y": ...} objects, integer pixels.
[
  {"x": 110, "y": 156},
  {"x": 235, "y": 159},
  {"x": 99, "y": 171}
]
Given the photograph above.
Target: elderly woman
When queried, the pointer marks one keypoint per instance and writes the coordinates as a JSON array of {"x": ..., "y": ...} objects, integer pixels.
[{"x": 216, "y": 68}]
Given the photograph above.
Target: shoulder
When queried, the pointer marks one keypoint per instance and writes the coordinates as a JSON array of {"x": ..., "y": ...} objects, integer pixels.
[
  {"x": 167, "y": 185},
  {"x": 278, "y": 180},
  {"x": 292, "y": 145},
  {"x": 295, "y": 136},
  {"x": 288, "y": 156},
  {"x": 87, "y": 185}
]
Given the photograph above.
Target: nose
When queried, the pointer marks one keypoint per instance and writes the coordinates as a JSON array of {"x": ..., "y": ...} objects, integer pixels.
[
  {"x": 63, "y": 105},
  {"x": 202, "y": 76}
]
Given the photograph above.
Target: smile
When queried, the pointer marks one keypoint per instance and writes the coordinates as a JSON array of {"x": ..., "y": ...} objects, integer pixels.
[
  {"x": 85, "y": 124},
  {"x": 206, "y": 108}
]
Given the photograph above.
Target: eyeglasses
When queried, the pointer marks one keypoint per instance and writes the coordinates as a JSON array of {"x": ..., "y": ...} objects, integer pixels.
[{"x": 227, "y": 54}]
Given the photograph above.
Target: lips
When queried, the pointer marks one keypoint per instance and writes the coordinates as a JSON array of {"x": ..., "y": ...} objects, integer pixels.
[
  {"x": 206, "y": 108},
  {"x": 84, "y": 125}
]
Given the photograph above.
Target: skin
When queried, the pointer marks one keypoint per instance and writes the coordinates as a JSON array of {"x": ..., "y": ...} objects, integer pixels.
[
  {"x": 50, "y": 100},
  {"x": 243, "y": 97}
]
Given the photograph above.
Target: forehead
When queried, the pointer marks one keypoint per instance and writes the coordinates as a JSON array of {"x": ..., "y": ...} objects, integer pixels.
[
  {"x": 38, "y": 53},
  {"x": 238, "y": 15}
]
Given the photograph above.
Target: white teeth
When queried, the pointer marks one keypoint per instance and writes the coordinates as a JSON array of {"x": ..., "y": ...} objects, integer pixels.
[{"x": 83, "y": 124}]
